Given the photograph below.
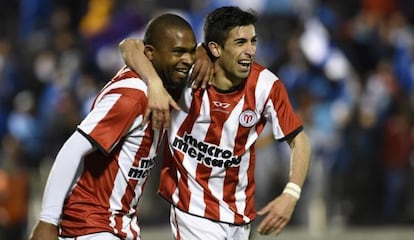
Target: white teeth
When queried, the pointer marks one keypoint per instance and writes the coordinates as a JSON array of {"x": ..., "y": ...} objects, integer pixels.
[
  {"x": 183, "y": 70},
  {"x": 245, "y": 62}
]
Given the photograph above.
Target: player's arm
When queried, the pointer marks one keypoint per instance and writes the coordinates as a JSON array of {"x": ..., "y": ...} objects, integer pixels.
[
  {"x": 203, "y": 70},
  {"x": 132, "y": 51},
  {"x": 279, "y": 211},
  {"x": 58, "y": 184},
  {"x": 159, "y": 100}
]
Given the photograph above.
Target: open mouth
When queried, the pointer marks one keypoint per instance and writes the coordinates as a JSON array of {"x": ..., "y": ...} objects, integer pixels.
[
  {"x": 245, "y": 64},
  {"x": 182, "y": 71}
]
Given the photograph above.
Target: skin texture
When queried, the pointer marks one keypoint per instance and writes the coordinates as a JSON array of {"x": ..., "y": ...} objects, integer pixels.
[
  {"x": 278, "y": 212},
  {"x": 159, "y": 100},
  {"x": 173, "y": 61},
  {"x": 235, "y": 58},
  {"x": 45, "y": 231}
]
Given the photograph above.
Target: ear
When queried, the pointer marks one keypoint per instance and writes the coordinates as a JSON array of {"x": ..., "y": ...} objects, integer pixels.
[
  {"x": 149, "y": 51},
  {"x": 215, "y": 49}
]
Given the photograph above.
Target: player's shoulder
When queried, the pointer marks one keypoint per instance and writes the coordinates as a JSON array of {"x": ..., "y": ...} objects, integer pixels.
[
  {"x": 126, "y": 73},
  {"x": 127, "y": 78},
  {"x": 263, "y": 73}
]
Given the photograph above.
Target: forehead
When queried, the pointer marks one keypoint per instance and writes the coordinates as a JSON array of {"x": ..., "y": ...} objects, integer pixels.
[
  {"x": 177, "y": 36},
  {"x": 246, "y": 32}
]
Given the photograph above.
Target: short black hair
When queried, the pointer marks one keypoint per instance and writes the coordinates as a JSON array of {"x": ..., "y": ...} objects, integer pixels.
[
  {"x": 156, "y": 28},
  {"x": 219, "y": 22}
]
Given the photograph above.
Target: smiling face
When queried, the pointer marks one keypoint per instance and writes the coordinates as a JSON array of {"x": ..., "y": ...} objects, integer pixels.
[
  {"x": 236, "y": 57},
  {"x": 173, "y": 56}
]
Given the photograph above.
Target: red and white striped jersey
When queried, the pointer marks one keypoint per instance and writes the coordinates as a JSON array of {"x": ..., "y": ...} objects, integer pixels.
[
  {"x": 209, "y": 168},
  {"x": 106, "y": 194}
]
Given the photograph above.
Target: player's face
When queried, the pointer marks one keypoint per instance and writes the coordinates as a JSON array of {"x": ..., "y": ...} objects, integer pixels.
[
  {"x": 175, "y": 56},
  {"x": 238, "y": 52}
]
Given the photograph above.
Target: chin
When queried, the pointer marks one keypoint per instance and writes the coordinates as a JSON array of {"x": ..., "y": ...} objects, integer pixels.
[{"x": 243, "y": 75}]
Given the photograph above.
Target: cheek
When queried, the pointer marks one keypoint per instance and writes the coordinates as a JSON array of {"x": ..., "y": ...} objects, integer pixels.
[
  {"x": 230, "y": 61},
  {"x": 171, "y": 62}
]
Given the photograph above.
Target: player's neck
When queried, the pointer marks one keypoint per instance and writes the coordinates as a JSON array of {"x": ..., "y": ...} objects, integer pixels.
[{"x": 226, "y": 83}]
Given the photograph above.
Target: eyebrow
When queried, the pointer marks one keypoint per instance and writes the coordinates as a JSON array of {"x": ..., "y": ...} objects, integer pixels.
[{"x": 245, "y": 39}]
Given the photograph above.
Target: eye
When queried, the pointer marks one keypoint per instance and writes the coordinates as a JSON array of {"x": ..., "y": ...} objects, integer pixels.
[
  {"x": 177, "y": 52},
  {"x": 240, "y": 42}
]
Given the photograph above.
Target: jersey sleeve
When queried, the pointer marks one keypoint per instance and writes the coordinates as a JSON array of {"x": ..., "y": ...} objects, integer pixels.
[
  {"x": 66, "y": 164},
  {"x": 113, "y": 116},
  {"x": 280, "y": 113}
]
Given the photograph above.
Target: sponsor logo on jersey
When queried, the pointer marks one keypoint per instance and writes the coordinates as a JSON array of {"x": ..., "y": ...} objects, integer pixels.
[
  {"x": 248, "y": 118},
  {"x": 220, "y": 106},
  {"x": 209, "y": 154},
  {"x": 143, "y": 171}
]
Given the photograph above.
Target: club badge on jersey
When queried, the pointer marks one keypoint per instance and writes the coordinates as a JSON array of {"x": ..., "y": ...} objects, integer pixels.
[{"x": 248, "y": 118}]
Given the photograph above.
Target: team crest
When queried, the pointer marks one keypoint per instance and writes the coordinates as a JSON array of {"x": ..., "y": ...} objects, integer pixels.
[{"x": 248, "y": 118}]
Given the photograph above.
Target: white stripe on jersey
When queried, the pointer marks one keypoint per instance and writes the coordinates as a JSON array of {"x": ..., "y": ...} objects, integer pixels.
[
  {"x": 99, "y": 111},
  {"x": 123, "y": 181},
  {"x": 263, "y": 87},
  {"x": 276, "y": 128},
  {"x": 230, "y": 133},
  {"x": 124, "y": 83},
  {"x": 266, "y": 78},
  {"x": 104, "y": 103},
  {"x": 241, "y": 186},
  {"x": 175, "y": 195},
  {"x": 218, "y": 145},
  {"x": 197, "y": 204}
]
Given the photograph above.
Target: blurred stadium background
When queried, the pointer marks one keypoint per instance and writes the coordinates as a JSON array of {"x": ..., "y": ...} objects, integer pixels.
[{"x": 348, "y": 66}]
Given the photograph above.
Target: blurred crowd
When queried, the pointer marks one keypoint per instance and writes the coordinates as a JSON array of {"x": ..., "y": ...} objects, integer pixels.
[{"x": 348, "y": 67}]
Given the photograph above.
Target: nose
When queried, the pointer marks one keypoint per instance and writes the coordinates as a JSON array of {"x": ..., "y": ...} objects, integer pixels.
[
  {"x": 251, "y": 50},
  {"x": 188, "y": 58}
]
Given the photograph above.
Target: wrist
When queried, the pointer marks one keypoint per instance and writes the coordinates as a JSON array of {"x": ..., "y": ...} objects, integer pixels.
[
  {"x": 154, "y": 81},
  {"x": 293, "y": 189}
]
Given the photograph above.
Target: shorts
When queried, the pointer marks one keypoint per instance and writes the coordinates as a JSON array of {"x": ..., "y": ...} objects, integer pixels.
[
  {"x": 93, "y": 236},
  {"x": 190, "y": 227}
]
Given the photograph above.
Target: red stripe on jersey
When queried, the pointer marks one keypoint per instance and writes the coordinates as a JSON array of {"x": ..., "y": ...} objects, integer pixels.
[
  {"x": 227, "y": 128},
  {"x": 169, "y": 182},
  {"x": 94, "y": 205},
  {"x": 195, "y": 107},
  {"x": 86, "y": 196},
  {"x": 118, "y": 120},
  {"x": 213, "y": 136},
  {"x": 203, "y": 172},
  {"x": 239, "y": 148},
  {"x": 123, "y": 73},
  {"x": 289, "y": 122},
  {"x": 132, "y": 183},
  {"x": 184, "y": 193}
]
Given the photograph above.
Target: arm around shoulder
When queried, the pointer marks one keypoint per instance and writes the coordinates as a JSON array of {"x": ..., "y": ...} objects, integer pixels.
[{"x": 159, "y": 100}]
